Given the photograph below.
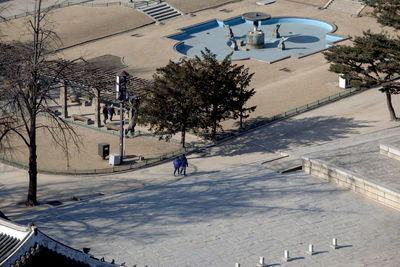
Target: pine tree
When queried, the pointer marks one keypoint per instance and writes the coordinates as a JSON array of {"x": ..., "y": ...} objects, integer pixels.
[
  {"x": 223, "y": 90},
  {"x": 242, "y": 95},
  {"x": 171, "y": 105},
  {"x": 387, "y": 12},
  {"x": 372, "y": 60}
]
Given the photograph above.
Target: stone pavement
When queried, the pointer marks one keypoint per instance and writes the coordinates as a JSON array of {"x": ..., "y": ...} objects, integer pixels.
[
  {"x": 217, "y": 218},
  {"x": 230, "y": 208}
]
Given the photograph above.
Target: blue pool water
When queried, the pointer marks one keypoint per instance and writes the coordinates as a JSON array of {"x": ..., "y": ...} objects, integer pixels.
[{"x": 305, "y": 36}]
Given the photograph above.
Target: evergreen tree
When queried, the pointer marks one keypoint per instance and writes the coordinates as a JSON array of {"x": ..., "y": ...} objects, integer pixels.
[
  {"x": 222, "y": 90},
  {"x": 387, "y": 12},
  {"x": 242, "y": 95},
  {"x": 197, "y": 94},
  {"x": 372, "y": 60},
  {"x": 172, "y": 103}
]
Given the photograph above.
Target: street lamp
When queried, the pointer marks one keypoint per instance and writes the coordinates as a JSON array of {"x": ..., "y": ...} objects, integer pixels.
[{"x": 121, "y": 95}]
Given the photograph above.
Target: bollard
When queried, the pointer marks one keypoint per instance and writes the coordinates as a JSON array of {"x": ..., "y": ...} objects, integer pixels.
[
  {"x": 237, "y": 264},
  {"x": 286, "y": 256},
  {"x": 261, "y": 263},
  {"x": 310, "y": 250},
  {"x": 334, "y": 244}
]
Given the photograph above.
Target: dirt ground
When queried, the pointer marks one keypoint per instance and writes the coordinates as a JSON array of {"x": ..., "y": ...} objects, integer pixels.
[
  {"x": 85, "y": 156},
  {"x": 78, "y": 24},
  {"x": 280, "y": 86}
]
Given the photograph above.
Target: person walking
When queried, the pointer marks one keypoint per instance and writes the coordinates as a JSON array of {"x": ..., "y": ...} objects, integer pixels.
[
  {"x": 111, "y": 112},
  {"x": 184, "y": 164},
  {"x": 177, "y": 165},
  {"x": 105, "y": 114}
]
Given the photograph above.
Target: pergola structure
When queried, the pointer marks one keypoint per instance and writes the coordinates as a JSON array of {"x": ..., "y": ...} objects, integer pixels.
[
  {"x": 100, "y": 86},
  {"x": 95, "y": 78}
]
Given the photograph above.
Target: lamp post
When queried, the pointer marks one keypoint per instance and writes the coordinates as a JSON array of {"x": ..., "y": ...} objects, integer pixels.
[{"x": 121, "y": 95}]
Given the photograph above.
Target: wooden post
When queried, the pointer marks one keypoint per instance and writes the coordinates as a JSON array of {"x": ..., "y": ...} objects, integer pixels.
[
  {"x": 63, "y": 99},
  {"x": 96, "y": 106}
]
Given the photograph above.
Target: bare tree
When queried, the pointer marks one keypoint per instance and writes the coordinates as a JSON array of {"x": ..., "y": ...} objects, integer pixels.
[{"x": 27, "y": 91}]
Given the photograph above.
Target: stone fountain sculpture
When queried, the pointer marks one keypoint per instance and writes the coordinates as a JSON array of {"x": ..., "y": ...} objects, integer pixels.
[
  {"x": 276, "y": 33},
  {"x": 281, "y": 44}
]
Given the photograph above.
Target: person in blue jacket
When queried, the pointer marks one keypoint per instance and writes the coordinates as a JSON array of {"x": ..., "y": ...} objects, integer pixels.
[
  {"x": 184, "y": 164},
  {"x": 177, "y": 165}
]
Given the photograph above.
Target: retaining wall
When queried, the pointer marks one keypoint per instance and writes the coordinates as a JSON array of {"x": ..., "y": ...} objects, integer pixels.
[
  {"x": 389, "y": 151},
  {"x": 349, "y": 180}
]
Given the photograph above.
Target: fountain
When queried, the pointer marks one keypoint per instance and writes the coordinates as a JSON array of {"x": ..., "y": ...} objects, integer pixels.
[{"x": 255, "y": 38}]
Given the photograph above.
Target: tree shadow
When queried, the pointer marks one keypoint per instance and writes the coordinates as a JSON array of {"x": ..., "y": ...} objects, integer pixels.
[
  {"x": 285, "y": 134},
  {"x": 154, "y": 212}
]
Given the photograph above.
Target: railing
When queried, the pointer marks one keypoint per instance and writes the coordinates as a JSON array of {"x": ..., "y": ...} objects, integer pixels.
[
  {"x": 285, "y": 114},
  {"x": 118, "y": 168},
  {"x": 86, "y": 3}
]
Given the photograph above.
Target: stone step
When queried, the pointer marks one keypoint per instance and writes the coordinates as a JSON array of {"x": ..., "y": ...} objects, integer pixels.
[
  {"x": 284, "y": 164},
  {"x": 149, "y": 8},
  {"x": 167, "y": 15},
  {"x": 161, "y": 12},
  {"x": 391, "y": 150},
  {"x": 158, "y": 10}
]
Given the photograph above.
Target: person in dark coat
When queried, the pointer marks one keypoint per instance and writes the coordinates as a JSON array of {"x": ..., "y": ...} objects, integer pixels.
[
  {"x": 105, "y": 113},
  {"x": 111, "y": 112},
  {"x": 184, "y": 164},
  {"x": 177, "y": 165}
]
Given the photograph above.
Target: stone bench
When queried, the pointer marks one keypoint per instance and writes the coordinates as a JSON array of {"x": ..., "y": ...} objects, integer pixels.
[
  {"x": 84, "y": 102},
  {"x": 86, "y": 120},
  {"x": 112, "y": 127}
]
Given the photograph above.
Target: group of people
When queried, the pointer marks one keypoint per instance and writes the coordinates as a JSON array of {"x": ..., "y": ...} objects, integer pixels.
[
  {"x": 108, "y": 112},
  {"x": 180, "y": 165}
]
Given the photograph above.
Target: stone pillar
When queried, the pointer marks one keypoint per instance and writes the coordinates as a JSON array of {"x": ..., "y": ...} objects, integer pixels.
[
  {"x": 63, "y": 99},
  {"x": 96, "y": 106}
]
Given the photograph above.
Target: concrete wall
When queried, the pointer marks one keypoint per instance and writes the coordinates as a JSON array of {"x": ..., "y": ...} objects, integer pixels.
[
  {"x": 351, "y": 181},
  {"x": 389, "y": 151}
]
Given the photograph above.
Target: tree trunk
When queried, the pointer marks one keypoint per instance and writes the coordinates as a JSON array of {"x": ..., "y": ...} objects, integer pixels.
[
  {"x": 96, "y": 106},
  {"x": 390, "y": 107},
  {"x": 133, "y": 114},
  {"x": 241, "y": 121},
  {"x": 183, "y": 136},
  {"x": 32, "y": 191},
  {"x": 63, "y": 99},
  {"x": 214, "y": 129}
]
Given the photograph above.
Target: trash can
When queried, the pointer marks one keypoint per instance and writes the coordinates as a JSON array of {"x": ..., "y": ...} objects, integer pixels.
[
  {"x": 115, "y": 159},
  {"x": 104, "y": 150}
]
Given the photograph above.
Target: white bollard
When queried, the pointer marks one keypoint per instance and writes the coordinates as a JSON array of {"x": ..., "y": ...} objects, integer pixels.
[
  {"x": 310, "y": 250},
  {"x": 334, "y": 244},
  {"x": 237, "y": 264},
  {"x": 286, "y": 256},
  {"x": 261, "y": 263}
]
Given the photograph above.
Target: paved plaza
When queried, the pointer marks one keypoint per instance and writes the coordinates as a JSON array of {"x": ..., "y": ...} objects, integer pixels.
[
  {"x": 217, "y": 218},
  {"x": 230, "y": 208}
]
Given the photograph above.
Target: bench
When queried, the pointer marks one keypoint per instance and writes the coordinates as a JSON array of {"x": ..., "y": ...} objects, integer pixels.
[
  {"x": 112, "y": 127},
  {"x": 81, "y": 118},
  {"x": 84, "y": 102},
  {"x": 73, "y": 99}
]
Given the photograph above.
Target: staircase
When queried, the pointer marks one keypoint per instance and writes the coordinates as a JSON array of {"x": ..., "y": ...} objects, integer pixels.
[
  {"x": 160, "y": 12},
  {"x": 352, "y": 7}
]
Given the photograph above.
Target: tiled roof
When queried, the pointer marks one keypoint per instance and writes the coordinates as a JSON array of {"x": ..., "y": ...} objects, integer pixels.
[
  {"x": 28, "y": 246},
  {"x": 7, "y": 245}
]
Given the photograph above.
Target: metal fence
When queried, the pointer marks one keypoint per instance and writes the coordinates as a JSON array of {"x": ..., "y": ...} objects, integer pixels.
[
  {"x": 88, "y": 3},
  {"x": 118, "y": 168},
  {"x": 261, "y": 122}
]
